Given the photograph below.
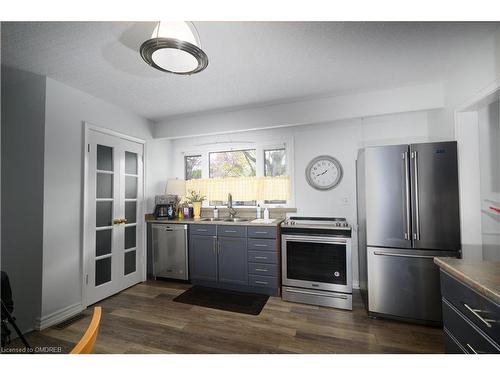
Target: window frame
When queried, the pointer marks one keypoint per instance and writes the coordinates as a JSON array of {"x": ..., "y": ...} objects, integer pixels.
[
  {"x": 260, "y": 148},
  {"x": 185, "y": 165}
]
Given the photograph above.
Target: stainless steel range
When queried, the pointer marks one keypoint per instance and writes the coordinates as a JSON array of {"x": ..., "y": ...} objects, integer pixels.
[{"x": 316, "y": 261}]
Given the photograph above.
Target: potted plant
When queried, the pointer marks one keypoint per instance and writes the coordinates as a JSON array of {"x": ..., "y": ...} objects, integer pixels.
[{"x": 195, "y": 198}]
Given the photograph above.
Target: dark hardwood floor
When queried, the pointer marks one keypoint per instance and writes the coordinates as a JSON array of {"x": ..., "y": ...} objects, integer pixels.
[{"x": 144, "y": 319}]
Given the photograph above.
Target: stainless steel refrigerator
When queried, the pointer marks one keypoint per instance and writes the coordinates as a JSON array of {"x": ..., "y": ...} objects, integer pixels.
[{"x": 408, "y": 213}]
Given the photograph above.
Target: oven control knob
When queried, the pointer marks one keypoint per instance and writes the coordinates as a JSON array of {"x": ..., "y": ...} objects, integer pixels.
[{"x": 345, "y": 224}]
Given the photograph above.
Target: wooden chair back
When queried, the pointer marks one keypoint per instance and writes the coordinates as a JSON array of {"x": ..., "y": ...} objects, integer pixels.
[{"x": 86, "y": 343}]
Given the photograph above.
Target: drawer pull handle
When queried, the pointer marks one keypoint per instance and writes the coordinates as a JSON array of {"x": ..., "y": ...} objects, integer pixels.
[
  {"x": 473, "y": 350},
  {"x": 201, "y": 230},
  {"x": 262, "y": 232},
  {"x": 260, "y": 245},
  {"x": 260, "y": 257},
  {"x": 261, "y": 269},
  {"x": 261, "y": 282},
  {"x": 476, "y": 312},
  {"x": 229, "y": 231}
]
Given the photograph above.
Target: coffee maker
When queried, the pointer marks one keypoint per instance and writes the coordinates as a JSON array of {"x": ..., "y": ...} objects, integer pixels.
[{"x": 165, "y": 207}]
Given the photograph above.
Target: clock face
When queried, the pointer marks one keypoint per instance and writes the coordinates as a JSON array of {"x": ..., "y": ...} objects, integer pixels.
[{"x": 324, "y": 172}]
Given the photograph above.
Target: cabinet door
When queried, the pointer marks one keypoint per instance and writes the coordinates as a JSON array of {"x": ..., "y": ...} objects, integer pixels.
[
  {"x": 233, "y": 260},
  {"x": 203, "y": 258}
]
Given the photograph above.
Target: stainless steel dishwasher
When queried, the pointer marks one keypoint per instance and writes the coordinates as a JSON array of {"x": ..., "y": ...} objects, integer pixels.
[{"x": 170, "y": 252}]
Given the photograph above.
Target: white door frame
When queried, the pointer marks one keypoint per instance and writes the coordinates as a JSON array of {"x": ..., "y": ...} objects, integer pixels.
[
  {"x": 467, "y": 137},
  {"x": 140, "y": 215}
]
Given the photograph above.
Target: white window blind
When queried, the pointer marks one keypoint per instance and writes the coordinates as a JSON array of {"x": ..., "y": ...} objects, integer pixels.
[{"x": 242, "y": 188}]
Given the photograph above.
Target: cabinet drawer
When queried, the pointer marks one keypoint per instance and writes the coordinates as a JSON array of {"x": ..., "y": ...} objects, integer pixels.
[
  {"x": 484, "y": 313},
  {"x": 262, "y": 232},
  {"x": 231, "y": 230},
  {"x": 261, "y": 244},
  {"x": 451, "y": 345},
  {"x": 203, "y": 229},
  {"x": 470, "y": 338},
  {"x": 262, "y": 269},
  {"x": 263, "y": 281},
  {"x": 262, "y": 257}
]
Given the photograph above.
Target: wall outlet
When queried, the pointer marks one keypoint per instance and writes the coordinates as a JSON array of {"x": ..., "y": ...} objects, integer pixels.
[{"x": 344, "y": 201}]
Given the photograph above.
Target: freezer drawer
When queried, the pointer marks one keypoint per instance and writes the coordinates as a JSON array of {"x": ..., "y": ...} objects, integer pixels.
[
  {"x": 169, "y": 249},
  {"x": 404, "y": 283}
]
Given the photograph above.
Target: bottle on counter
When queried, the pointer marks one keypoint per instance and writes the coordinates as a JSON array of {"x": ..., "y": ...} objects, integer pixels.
[
  {"x": 258, "y": 215},
  {"x": 266, "y": 214},
  {"x": 216, "y": 212}
]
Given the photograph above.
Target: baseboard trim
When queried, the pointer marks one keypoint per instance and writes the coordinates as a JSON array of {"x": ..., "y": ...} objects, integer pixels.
[{"x": 58, "y": 316}]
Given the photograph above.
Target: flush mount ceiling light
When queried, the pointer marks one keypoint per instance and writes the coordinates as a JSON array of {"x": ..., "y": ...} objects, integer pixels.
[{"x": 175, "y": 47}]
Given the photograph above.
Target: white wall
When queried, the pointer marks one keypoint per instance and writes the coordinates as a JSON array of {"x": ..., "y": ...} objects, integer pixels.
[
  {"x": 478, "y": 68},
  {"x": 66, "y": 109},
  {"x": 159, "y": 162},
  {"x": 340, "y": 139},
  {"x": 304, "y": 112},
  {"x": 23, "y": 114},
  {"x": 489, "y": 158}
]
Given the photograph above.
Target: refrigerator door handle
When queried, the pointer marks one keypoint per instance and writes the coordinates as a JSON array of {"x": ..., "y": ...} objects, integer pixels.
[
  {"x": 416, "y": 235},
  {"x": 402, "y": 255},
  {"x": 407, "y": 195}
]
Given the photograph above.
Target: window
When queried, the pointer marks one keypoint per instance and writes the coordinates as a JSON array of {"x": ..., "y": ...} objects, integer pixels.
[
  {"x": 217, "y": 161},
  {"x": 275, "y": 165},
  {"x": 275, "y": 162},
  {"x": 192, "y": 165},
  {"x": 240, "y": 163}
]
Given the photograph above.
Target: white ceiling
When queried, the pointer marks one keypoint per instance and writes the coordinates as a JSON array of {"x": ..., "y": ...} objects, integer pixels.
[{"x": 250, "y": 62}]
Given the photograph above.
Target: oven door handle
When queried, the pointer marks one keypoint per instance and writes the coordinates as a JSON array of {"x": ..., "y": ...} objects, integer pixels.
[
  {"x": 293, "y": 290},
  {"x": 329, "y": 240}
]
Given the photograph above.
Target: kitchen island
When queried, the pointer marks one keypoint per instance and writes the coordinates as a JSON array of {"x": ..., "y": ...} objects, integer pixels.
[{"x": 471, "y": 305}]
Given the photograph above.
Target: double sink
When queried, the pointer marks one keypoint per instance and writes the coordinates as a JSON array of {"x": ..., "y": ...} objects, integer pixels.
[{"x": 232, "y": 220}]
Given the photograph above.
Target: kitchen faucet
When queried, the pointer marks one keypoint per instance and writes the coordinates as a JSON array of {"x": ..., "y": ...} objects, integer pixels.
[{"x": 232, "y": 211}]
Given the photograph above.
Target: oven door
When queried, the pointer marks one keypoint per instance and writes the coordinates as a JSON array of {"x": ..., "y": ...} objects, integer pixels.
[{"x": 317, "y": 262}]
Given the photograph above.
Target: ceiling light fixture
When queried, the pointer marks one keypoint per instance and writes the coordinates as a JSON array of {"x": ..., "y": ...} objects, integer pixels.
[{"x": 175, "y": 47}]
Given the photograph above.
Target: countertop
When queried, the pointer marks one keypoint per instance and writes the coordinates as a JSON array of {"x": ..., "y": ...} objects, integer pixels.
[
  {"x": 482, "y": 276},
  {"x": 152, "y": 219}
]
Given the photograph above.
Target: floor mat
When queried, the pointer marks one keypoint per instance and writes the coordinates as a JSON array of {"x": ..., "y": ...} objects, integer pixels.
[{"x": 227, "y": 300}]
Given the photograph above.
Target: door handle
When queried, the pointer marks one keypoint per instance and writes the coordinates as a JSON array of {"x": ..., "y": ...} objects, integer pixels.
[
  {"x": 402, "y": 255},
  {"x": 416, "y": 235},
  {"x": 119, "y": 221},
  {"x": 407, "y": 195}
]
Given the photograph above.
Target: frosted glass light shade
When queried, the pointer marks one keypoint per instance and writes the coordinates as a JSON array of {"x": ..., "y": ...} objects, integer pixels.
[
  {"x": 176, "y": 30},
  {"x": 175, "y": 47}
]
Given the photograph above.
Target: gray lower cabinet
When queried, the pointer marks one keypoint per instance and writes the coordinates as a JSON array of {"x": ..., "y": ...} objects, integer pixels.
[
  {"x": 234, "y": 257},
  {"x": 233, "y": 265},
  {"x": 471, "y": 321},
  {"x": 203, "y": 257}
]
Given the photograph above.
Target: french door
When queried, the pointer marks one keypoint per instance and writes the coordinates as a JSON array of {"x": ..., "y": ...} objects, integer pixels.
[{"x": 114, "y": 253}]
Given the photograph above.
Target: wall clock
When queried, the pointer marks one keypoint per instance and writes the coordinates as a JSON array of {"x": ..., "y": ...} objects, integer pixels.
[{"x": 324, "y": 172}]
